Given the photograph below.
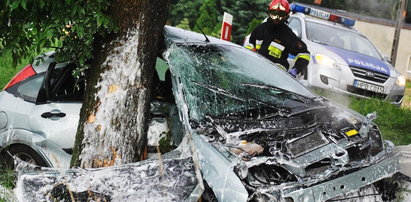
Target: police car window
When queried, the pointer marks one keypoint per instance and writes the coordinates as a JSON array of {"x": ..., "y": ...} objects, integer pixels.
[
  {"x": 295, "y": 25},
  {"x": 341, "y": 38}
]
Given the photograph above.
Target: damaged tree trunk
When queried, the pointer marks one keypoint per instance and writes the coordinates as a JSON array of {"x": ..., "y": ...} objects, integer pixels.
[{"x": 114, "y": 118}]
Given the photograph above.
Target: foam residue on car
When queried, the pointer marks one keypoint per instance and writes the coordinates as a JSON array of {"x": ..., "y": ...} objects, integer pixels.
[{"x": 176, "y": 180}]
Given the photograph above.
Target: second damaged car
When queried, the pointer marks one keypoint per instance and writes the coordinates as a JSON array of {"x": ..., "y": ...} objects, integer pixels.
[{"x": 262, "y": 136}]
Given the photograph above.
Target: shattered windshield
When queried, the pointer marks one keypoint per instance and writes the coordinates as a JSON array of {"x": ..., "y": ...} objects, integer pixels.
[
  {"x": 223, "y": 79},
  {"x": 340, "y": 38}
]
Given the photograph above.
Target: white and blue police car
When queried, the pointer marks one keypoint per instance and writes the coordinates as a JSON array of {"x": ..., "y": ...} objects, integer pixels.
[{"x": 342, "y": 59}]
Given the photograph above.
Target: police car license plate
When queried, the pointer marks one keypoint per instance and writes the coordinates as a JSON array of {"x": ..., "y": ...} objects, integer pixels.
[
  {"x": 368, "y": 86},
  {"x": 319, "y": 13}
]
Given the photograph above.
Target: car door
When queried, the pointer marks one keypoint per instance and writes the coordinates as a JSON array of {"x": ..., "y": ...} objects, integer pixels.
[{"x": 57, "y": 109}]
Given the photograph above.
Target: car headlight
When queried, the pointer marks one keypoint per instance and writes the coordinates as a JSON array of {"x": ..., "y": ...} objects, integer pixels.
[
  {"x": 326, "y": 60},
  {"x": 400, "y": 81}
]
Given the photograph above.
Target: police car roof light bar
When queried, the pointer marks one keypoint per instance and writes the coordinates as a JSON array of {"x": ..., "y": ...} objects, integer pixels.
[{"x": 322, "y": 14}]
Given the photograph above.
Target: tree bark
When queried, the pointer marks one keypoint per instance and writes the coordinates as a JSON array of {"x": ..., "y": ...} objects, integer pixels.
[{"x": 114, "y": 118}]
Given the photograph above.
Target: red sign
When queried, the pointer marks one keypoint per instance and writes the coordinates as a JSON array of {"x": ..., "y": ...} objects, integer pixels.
[{"x": 226, "y": 27}]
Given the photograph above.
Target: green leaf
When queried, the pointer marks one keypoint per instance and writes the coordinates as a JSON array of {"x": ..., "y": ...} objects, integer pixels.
[
  {"x": 42, "y": 3},
  {"x": 100, "y": 20},
  {"x": 82, "y": 11},
  {"x": 14, "y": 5},
  {"x": 24, "y": 4}
]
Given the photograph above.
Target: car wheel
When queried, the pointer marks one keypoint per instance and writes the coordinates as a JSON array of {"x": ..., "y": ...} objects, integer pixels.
[
  {"x": 368, "y": 193},
  {"x": 24, "y": 153}
]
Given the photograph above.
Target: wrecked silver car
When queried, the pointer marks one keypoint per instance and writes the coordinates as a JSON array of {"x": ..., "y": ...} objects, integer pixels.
[
  {"x": 256, "y": 132},
  {"x": 260, "y": 135}
]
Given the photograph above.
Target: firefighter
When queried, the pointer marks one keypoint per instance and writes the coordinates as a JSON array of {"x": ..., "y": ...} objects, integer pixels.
[{"x": 275, "y": 40}]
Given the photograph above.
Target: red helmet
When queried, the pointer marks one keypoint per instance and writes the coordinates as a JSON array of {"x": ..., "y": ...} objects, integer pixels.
[
  {"x": 278, "y": 11},
  {"x": 279, "y": 5}
]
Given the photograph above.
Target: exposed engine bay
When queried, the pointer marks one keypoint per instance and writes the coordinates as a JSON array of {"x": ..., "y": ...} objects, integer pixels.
[{"x": 308, "y": 148}]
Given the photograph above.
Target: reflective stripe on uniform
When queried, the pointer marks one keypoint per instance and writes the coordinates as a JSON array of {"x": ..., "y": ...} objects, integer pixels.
[
  {"x": 258, "y": 44},
  {"x": 304, "y": 56},
  {"x": 249, "y": 46},
  {"x": 275, "y": 49}
]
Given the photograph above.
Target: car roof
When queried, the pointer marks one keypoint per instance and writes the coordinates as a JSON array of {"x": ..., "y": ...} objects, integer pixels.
[
  {"x": 178, "y": 35},
  {"x": 41, "y": 63}
]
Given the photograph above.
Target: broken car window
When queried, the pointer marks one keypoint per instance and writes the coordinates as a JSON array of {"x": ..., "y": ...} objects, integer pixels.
[{"x": 212, "y": 76}]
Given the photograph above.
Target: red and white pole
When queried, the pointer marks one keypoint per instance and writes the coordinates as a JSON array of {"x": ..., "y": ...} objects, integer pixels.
[{"x": 226, "y": 27}]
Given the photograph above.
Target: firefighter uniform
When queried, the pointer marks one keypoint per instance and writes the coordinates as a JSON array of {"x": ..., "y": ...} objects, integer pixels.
[{"x": 276, "y": 42}]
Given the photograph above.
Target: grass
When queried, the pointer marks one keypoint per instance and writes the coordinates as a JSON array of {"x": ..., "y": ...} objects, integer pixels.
[
  {"x": 7, "y": 183},
  {"x": 7, "y": 179},
  {"x": 407, "y": 98}
]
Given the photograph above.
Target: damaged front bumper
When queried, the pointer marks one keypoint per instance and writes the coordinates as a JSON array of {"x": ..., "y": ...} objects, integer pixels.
[{"x": 344, "y": 184}]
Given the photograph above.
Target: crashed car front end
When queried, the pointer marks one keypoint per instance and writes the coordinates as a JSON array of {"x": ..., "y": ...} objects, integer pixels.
[
  {"x": 303, "y": 161},
  {"x": 261, "y": 135}
]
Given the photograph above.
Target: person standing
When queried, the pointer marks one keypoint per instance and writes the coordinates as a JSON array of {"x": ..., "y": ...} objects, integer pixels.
[{"x": 275, "y": 40}]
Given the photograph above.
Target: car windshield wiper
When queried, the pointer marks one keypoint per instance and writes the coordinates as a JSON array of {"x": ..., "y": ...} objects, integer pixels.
[
  {"x": 282, "y": 111},
  {"x": 299, "y": 97}
]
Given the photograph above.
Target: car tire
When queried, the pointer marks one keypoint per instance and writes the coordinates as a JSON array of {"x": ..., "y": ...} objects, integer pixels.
[
  {"x": 23, "y": 152},
  {"x": 368, "y": 193}
]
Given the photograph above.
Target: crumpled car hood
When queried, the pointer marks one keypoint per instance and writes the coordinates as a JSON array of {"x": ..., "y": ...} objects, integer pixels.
[{"x": 314, "y": 145}]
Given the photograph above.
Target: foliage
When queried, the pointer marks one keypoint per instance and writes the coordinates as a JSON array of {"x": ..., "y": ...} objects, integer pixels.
[
  {"x": 246, "y": 16},
  {"x": 166, "y": 143},
  {"x": 184, "y": 10},
  {"x": 208, "y": 14},
  {"x": 209, "y": 20},
  {"x": 184, "y": 24},
  {"x": 26, "y": 27},
  {"x": 6, "y": 68}
]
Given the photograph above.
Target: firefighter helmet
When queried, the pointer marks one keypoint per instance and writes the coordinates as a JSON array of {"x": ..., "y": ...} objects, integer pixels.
[{"x": 279, "y": 10}]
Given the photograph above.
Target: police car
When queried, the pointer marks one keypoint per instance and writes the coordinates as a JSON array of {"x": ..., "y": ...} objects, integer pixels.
[{"x": 343, "y": 59}]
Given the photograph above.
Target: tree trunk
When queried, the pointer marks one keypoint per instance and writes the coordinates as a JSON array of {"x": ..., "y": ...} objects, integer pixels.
[{"x": 114, "y": 118}]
